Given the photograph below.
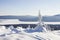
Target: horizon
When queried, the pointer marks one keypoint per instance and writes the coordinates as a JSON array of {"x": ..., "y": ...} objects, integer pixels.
[{"x": 31, "y": 15}]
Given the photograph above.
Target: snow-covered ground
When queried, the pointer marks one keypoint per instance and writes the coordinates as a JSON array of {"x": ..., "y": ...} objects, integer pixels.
[{"x": 19, "y": 34}]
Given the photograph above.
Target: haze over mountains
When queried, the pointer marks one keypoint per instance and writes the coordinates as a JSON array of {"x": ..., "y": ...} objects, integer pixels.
[{"x": 55, "y": 18}]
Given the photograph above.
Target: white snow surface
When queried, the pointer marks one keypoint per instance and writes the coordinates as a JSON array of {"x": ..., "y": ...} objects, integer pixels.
[{"x": 19, "y": 34}]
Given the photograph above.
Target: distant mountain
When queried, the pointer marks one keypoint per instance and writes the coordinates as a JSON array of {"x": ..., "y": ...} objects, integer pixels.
[
  {"x": 55, "y": 18},
  {"x": 57, "y": 15},
  {"x": 21, "y": 18}
]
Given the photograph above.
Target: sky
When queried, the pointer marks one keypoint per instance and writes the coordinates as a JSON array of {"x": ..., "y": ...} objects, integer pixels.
[{"x": 29, "y": 7}]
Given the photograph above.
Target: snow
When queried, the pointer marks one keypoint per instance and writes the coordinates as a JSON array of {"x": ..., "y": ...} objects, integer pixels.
[
  {"x": 39, "y": 33},
  {"x": 9, "y": 21},
  {"x": 19, "y": 34},
  {"x": 54, "y": 23}
]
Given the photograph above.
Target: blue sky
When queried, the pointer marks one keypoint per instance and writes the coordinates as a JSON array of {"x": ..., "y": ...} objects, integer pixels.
[{"x": 29, "y": 7}]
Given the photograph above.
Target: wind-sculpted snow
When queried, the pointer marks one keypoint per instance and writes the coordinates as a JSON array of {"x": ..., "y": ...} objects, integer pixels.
[{"x": 19, "y": 34}]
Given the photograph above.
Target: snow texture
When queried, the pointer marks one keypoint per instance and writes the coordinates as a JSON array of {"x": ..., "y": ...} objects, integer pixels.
[{"x": 19, "y": 34}]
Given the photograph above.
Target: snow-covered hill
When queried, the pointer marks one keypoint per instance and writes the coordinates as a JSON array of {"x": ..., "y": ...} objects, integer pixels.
[{"x": 19, "y": 34}]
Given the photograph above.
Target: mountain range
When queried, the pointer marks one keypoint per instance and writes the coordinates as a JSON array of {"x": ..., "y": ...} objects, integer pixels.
[{"x": 55, "y": 18}]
